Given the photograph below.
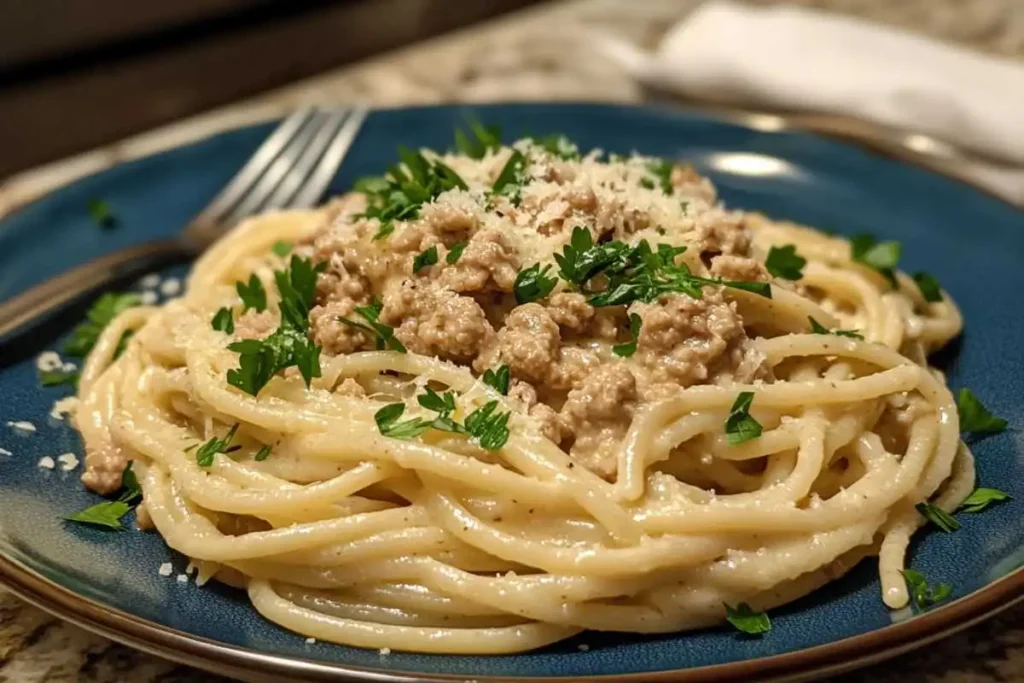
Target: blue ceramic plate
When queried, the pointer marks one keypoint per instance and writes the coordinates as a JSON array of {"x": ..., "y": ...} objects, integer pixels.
[{"x": 110, "y": 582}]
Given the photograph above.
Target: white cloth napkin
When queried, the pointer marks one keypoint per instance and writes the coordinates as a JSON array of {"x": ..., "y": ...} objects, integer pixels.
[{"x": 798, "y": 59}]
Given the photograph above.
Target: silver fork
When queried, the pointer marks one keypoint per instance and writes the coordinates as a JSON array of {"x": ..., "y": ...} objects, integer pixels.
[{"x": 291, "y": 169}]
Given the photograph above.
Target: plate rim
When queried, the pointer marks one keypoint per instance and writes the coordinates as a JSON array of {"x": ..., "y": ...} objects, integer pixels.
[{"x": 829, "y": 658}]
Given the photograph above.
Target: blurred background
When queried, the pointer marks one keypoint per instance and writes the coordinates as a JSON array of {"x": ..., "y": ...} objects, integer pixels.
[{"x": 78, "y": 74}]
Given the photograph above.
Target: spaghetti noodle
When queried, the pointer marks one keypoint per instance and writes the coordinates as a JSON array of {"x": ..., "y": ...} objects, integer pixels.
[{"x": 629, "y": 493}]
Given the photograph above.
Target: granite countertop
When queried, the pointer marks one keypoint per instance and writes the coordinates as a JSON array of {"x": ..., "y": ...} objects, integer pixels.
[{"x": 543, "y": 53}]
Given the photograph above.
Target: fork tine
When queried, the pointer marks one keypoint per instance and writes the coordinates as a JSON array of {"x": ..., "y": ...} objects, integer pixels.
[
  {"x": 293, "y": 181},
  {"x": 322, "y": 175},
  {"x": 254, "y": 168},
  {"x": 278, "y": 170}
]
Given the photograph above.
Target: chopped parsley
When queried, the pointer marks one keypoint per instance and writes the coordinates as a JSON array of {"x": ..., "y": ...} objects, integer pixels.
[
  {"x": 388, "y": 424},
  {"x": 282, "y": 248},
  {"x": 533, "y": 283},
  {"x": 785, "y": 263},
  {"x": 740, "y": 426},
  {"x": 929, "y": 286},
  {"x": 629, "y": 348},
  {"x": 745, "y": 619},
  {"x": 101, "y": 213},
  {"x": 818, "y": 328},
  {"x": 99, "y": 315},
  {"x": 455, "y": 253},
  {"x": 922, "y": 595},
  {"x": 206, "y": 453},
  {"x": 512, "y": 178},
  {"x": 262, "y": 454},
  {"x": 981, "y": 498},
  {"x": 881, "y": 256},
  {"x": 399, "y": 195},
  {"x": 558, "y": 145},
  {"x": 581, "y": 260},
  {"x": 644, "y": 274},
  {"x": 425, "y": 258},
  {"x": 938, "y": 517},
  {"x": 661, "y": 169},
  {"x": 480, "y": 140},
  {"x": 499, "y": 379},
  {"x": 223, "y": 321},
  {"x": 289, "y": 346},
  {"x": 489, "y": 427},
  {"x": 109, "y": 513},
  {"x": 975, "y": 419},
  {"x": 384, "y": 334},
  {"x": 56, "y": 378},
  {"x": 253, "y": 294}
]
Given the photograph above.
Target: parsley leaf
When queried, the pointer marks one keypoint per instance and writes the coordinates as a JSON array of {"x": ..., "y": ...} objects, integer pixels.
[
  {"x": 490, "y": 429},
  {"x": 581, "y": 260},
  {"x": 427, "y": 257},
  {"x": 644, "y": 274},
  {"x": 100, "y": 314},
  {"x": 499, "y": 379},
  {"x": 56, "y": 378},
  {"x": 928, "y": 286},
  {"x": 439, "y": 403},
  {"x": 785, "y": 263},
  {"x": 938, "y": 517},
  {"x": 106, "y": 514},
  {"x": 101, "y": 213},
  {"x": 558, "y": 145},
  {"x": 818, "y": 328},
  {"x": 661, "y": 169},
  {"x": 981, "y": 498},
  {"x": 109, "y": 513},
  {"x": 882, "y": 256},
  {"x": 253, "y": 294},
  {"x": 740, "y": 426},
  {"x": 260, "y": 359},
  {"x": 533, "y": 283},
  {"x": 480, "y": 140},
  {"x": 399, "y": 195},
  {"x": 455, "y": 253},
  {"x": 388, "y": 424},
  {"x": 922, "y": 595},
  {"x": 512, "y": 177},
  {"x": 282, "y": 248},
  {"x": 744, "y": 618},
  {"x": 206, "y": 453},
  {"x": 629, "y": 348},
  {"x": 975, "y": 419},
  {"x": 262, "y": 454},
  {"x": 384, "y": 334},
  {"x": 223, "y": 321}
]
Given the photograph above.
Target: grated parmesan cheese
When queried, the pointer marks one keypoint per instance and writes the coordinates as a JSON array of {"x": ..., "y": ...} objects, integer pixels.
[
  {"x": 48, "y": 361},
  {"x": 68, "y": 461},
  {"x": 384, "y": 651},
  {"x": 170, "y": 286},
  {"x": 150, "y": 281},
  {"x": 149, "y": 298},
  {"x": 47, "y": 463},
  {"x": 310, "y": 641},
  {"x": 4, "y": 451},
  {"x": 64, "y": 407},
  {"x": 166, "y": 569},
  {"x": 182, "y": 578},
  {"x": 21, "y": 426}
]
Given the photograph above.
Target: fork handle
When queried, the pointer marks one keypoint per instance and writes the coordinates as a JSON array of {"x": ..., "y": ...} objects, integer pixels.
[{"x": 43, "y": 299}]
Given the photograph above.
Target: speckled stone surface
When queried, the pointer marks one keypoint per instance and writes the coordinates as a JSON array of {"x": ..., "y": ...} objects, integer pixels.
[{"x": 541, "y": 54}]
